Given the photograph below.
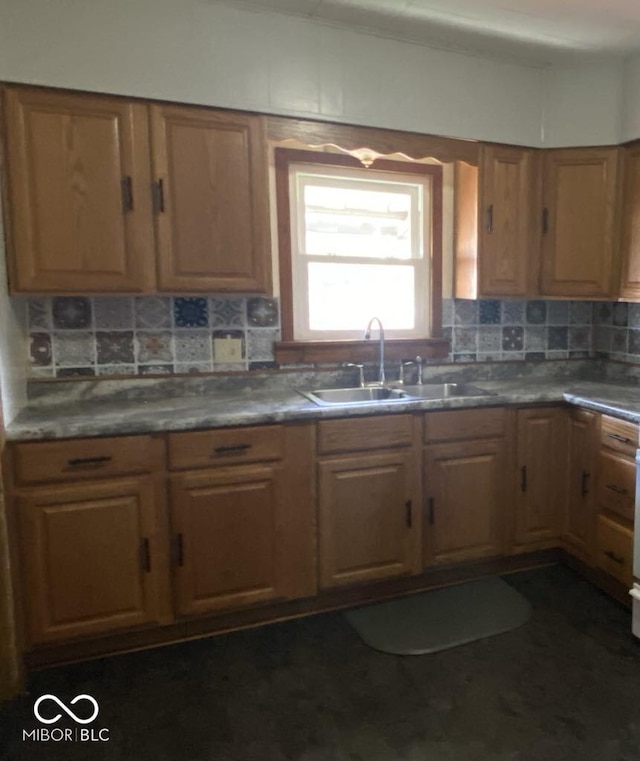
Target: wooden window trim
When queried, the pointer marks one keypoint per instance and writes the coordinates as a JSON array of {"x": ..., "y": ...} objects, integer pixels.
[{"x": 290, "y": 351}]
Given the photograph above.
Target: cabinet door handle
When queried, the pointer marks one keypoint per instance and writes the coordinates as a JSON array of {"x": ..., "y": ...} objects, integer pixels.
[
  {"x": 584, "y": 485},
  {"x": 145, "y": 555},
  {"x": 616, "y": 558},
  {"x": 179, "y": 550},
  {"x": 409, "y": 513},
  {"x": 158, "y": 196},
  {"x": 523, "y": 479},
  {"x": 617, "y": 489},
  {"x": 233, "y": 449},
  {"x": 623, "y": 439},
  {"x": 490, "y": 218},
  {"x": 91, "y": 462},
  {"x": 431, "y": 508},
  {"x": 126, "y": 186},
  {"x": 545, "y": 221}
]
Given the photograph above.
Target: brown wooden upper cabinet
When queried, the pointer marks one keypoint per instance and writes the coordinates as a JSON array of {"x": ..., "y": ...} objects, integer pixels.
[
  {"x": 87, "y": 179},
  {"x": 495, "y": 241},
  {"x": 78, "y": 177},
  {"x": 579, "y": 216},
  {"x": 212, "y": 204},
  {"x": 630, "y": 280}
]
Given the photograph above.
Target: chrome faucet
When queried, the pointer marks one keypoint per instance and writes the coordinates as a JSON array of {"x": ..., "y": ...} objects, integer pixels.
[{"x": 367, "y": 335}]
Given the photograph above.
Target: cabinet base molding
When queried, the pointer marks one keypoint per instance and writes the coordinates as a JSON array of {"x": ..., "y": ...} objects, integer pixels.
[
  {"x": 598, "y": 578},
  {"x": 199, "y": 628}
]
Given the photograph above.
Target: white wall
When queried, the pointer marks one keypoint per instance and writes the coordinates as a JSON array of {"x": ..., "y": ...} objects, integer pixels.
[
  {"x": 583, "y": 104},
  {"x": 630, "y": 128},
  {"x": 200, "y": 52}
]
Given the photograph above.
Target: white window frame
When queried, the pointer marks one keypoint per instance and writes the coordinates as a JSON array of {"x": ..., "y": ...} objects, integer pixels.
[{"x": 421, "y": 236}]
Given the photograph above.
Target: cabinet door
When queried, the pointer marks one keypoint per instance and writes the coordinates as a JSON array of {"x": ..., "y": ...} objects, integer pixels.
[
  {"x": 236, "y": 533},
  {"x": 579, "y": 223},
  {"x": 505, "y": 219},
  {"x": 212, "y": 217},
  {"x": 79, "y": 193},
  {"x": 630, "y": 280},
  {"x": 542, "y": 469},
  {"x": 579, "y": 515},
  {"x": 90, "y": 557},
  {"x": 369, "y": 518},
  {"x": 464, "y": 485}
]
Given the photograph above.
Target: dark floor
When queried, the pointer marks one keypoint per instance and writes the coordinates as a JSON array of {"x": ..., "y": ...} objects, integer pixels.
[{"x": 566, "y": 686}]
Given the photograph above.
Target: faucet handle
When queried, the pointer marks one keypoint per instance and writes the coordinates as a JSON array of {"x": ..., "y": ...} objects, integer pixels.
[
  {"x": 419, "y": 362},
  {"x": 360, "y": 371},
  {"x": 404, "y": 363}
]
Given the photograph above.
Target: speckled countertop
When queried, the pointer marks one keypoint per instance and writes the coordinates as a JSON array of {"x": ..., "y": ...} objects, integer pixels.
[{"x": 131, "y": 407}]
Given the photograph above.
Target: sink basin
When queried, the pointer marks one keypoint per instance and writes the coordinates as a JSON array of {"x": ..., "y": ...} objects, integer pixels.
[
  {"x": 367, "y": 395},
  {"x": 443, "y": 391},
  {"x": 373, "y": 394}
]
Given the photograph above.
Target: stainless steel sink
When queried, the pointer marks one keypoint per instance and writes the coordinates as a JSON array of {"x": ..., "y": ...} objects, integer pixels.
[
  {"x": 375, "y": 394},
  {"x": 367, "y": 395},
  {"x": 443, "y": 391}
]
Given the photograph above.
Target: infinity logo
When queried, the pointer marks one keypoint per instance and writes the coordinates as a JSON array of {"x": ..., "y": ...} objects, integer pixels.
[{"x": 58, "y": 716}]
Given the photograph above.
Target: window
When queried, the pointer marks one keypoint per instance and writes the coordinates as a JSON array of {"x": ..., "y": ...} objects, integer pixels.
[{"x": 357, "y": 243}]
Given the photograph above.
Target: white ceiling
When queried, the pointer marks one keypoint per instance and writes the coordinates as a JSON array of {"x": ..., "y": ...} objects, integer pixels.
[{"x": 539, "y": 31}]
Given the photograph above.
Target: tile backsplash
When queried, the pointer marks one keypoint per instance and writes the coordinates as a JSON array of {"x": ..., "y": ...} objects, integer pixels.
[{"x": 80, "y": 336}]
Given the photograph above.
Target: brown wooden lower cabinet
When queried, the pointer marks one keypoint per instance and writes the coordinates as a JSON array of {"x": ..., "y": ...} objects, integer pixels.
[
  {"x": 464, "y": 487},
  {"x": 91, "y": 558},
  {"x": 578, "y": 528},
  {"x": 368, "y": 518},
  {"x": 542, "y": 466},
  {"x": 244, "y": 534}
]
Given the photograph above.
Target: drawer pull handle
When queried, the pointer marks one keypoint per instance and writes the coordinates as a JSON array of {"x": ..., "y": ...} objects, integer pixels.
[
  {"x": 523, "y": 479},
  {"x": 616, "y": 558},
  {"x": 95, "y": 462},
  {"x": 584, "y": 485},
  {"x": 145, "y": 555},
  {"x": 408, "y": 516},
  {"x": 158, "y": 196},
  {"x": 622, "y": 439},
  {"x": 126, "y": 187},
  {"x": 617, "y": 489},
  {"x": 179, "y": 550},
  {"x": 233, "y": 449},
  {"x": 432, "y": 518}
]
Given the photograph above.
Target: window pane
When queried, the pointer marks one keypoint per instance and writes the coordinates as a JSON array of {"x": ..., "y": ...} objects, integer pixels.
[
  {"x": 346, "y": 296},
  {"x": 352, "y": 221}
]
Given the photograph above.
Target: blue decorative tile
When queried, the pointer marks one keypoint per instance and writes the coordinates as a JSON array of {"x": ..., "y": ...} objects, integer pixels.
[
  {"x": 489, "y": 312},
  {"x": 75, "y": 372},
  {"x": 262, "y": 312},
  {"x": 603, "y": 313},
  {"x": 40, "y": 349},
  {"x": 580, "y": 337},
  {"x": 634, "y": 342},
  {"x": 534, "y": 356},
  {"x": 633, "y": 320},
  {"x": 226, "y": 312},
  {"x": 465, "y": 312},
  {"x": 466, "y": 357},
  {"x": 620, "y": 314},
  {"x": 114, "y": 347},
  {"x": 512, "y": 338},
  {"x": 465, "y": 340},
  {"x": 71, "y": 312},
  {"x": 557, "y": 312},
  {"x": 536, "y": 312},
  {"x": 512, "y": 312},
  {"x": 557, "y": 338},
  {"x": 490, "y": 339},
  {"x": 619, "y": 339},
  {"x": 190, "y": 312},
  {"x": 581, "y": 313},
  {"x": 535, "y": 338}
]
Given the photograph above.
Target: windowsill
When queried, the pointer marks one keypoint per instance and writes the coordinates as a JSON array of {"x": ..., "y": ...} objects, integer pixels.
[{"x": 301, "y": 352}]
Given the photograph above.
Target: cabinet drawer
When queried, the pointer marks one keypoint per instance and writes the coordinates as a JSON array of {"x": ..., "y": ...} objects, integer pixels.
[
  {"x": 464, "y": 424},
  {"x": 614, "y": 553},
  {"x": 617, "y": 484},
  {"x": 383, "y": 432},
  {"x": 203, "y": 449},
  {"x": 619, "y": 435},
  {"x": 75, "y": 459}
]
